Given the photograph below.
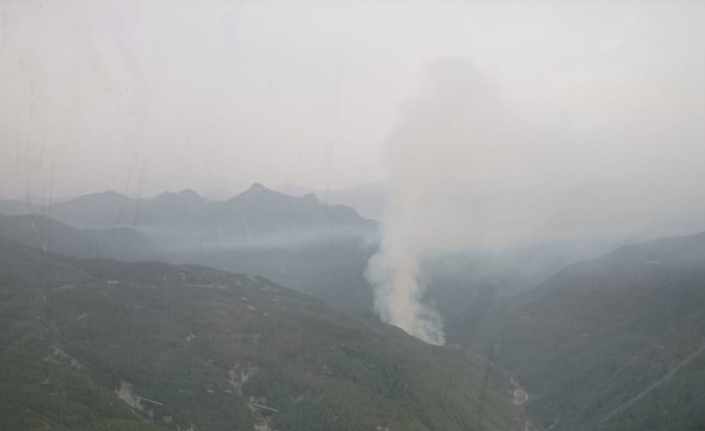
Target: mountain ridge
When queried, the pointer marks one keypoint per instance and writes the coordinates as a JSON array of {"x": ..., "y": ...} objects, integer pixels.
[
  {"x": 111, "y": 209},
  {"x": 617, "y": 330},
  {"x": 94, "y": 345}
]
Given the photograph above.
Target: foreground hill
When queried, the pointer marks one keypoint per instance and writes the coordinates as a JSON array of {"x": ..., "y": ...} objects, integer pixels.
[
  {"x": 105, "y": 345},
  {"x": 614, "y": 343}
]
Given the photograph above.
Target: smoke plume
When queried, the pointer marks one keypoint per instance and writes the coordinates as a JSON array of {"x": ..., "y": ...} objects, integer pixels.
[
  {"x": 422, "y": 143},
  {"x": 473, "y": 168}
]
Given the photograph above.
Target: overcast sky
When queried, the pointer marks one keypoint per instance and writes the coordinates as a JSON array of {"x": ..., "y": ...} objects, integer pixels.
[{"x": 145, "y": 96}]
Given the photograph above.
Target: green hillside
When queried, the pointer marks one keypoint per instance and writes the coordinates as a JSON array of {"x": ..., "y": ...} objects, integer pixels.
[
  {"x": 614, "y": 343},
  {"x": 105, "y": 345}
]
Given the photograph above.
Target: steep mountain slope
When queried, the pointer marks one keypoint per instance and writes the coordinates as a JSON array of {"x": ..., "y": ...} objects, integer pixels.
[
  {"x": 332, "y": 272},
  {"x": 50, "y": 235},
  {"x": 105, "y": 345},
  {"x": 613, "y": 343}
]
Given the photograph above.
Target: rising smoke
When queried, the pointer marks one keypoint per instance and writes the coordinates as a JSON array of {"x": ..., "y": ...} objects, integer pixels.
[
  {"x": 428, "y": 131},
  {"x": 471, "y": 168}
]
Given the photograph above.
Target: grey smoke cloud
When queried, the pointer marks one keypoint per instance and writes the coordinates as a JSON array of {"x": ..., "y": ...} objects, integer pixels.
[{"x": 472, "y": 168}]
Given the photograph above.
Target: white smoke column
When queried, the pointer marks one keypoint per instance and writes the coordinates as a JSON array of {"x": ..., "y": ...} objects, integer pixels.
[
  {"x": 417, "y": 152},
  {"x": 394, "y": 270}
]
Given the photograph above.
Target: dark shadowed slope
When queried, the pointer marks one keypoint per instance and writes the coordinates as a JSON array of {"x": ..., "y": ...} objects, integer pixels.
[
  {"x": 613, "y": 343},
  {"x": 104, "y": 345}
]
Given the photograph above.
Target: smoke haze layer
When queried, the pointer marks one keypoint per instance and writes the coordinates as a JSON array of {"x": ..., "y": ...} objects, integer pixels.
[{"x": 472, "y": 168}]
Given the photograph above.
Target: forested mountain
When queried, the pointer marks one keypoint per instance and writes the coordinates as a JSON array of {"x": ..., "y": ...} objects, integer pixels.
[
  {"x": 254, "y": 213},
  {"x": 613, "y": 343},
  {"x": 106, "y": 345},
  {"x": 35, "y": 230},
  {"x": 300, "y": 242}
]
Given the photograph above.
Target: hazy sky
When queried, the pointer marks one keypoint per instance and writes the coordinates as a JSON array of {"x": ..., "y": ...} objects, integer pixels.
[{"x": 143, "y": 96}]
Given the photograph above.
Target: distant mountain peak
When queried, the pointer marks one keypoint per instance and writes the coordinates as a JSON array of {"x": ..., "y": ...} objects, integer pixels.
[
  {"x": 257, "y": 187},
  {"x": 189, "y": 193}
]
